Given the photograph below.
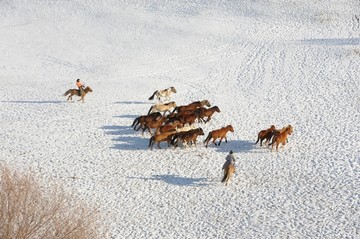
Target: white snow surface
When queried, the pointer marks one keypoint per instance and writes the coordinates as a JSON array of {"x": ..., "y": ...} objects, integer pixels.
[{"x": 262, "y": 62}]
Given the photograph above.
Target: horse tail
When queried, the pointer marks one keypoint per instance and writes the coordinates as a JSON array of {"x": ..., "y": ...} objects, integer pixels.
[
  {"x": 135, "y": 121},
  {"x": 226, "y": 175},
  {"x": 150, "y": 109},
  {"x": 151, "y": 142},
  {"x": 152, "y": 97},
  {"x": 206, "y": 141},
  {"x": 258, "y": 139},
  {"x": 66, "y": 93}
]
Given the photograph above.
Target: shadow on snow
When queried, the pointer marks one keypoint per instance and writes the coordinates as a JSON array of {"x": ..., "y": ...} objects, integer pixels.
[{"x": 177, "y": 180}]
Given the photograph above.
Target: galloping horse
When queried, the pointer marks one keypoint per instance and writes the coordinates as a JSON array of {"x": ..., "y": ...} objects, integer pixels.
[
  {"x": 158, "y": 138},
  {"x": 163, "y": 93},
  {"x": 192, "y": 106},
  {"x": 186, "y": 137},
  {"x": 207, "y": 113},
  {"x": 143, "y": 118},
  {"x": 162, "y": 107},
  {"x": 281, "y": 137},
  {"x": 264, "y": 134},
  {"x": 228, "y": 172},
  {"x": 274, "y": 133},
  {"x": 218, "y": 134},
  {"x": 77, "y": 92}
]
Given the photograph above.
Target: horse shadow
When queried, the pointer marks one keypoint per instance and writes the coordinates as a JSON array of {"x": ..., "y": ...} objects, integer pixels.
[
  {"x": 177, "y": 180},
  {"x": 133, "y": 102},
  {"x": 34, "y": 101},
  {"x": 126, "y": 116},
  {"x": 238, "y": 146},
  {"x": 126, "y": 139}
]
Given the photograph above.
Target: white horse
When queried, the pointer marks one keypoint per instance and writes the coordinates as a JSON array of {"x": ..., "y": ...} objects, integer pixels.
[
  {"x": 163, "y": 93},
  {"x": 162, "y": 107}
]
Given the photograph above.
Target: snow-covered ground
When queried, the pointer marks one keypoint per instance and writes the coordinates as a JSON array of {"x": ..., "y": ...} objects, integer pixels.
[{"x": 262, "y": 62}]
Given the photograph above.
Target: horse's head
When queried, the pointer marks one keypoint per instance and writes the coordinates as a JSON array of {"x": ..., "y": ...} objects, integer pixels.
[
  {"x": 230, "y": 128},
  {"x": 206, "y": 102},
  {"x": 88, "y": 89},
  {"x": 216, "y": 109},
  {"x": 289, "y": 129},
  {"x": 201, "y": 131},
  {"x": 173, "y": 89},
  {"x": 272, "y": 128}
]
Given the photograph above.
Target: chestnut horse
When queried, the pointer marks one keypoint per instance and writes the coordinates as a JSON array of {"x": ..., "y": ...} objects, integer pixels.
[
  {"x": 204, "y": 112},
  {"x": 274, "y": 133},
  {"x": 163, "y": 93},
  {"x": 151, "y": 124},
  {"x": 73, "y": 92},
  {"x": 158, "y": 138},
  {"x": 228, "y": 173},
  {"x": 162, "y": 107},
  {"x": 170, "y": 126},
  {"x": 264, "y": 134},
  {"x": 192, "y": 106},
  {"x": 281, "y": 137},
  {"x": 218, "y": 134}
]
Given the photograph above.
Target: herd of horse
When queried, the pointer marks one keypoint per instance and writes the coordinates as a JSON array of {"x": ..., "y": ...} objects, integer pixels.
[{"x": 174, "y": 124}]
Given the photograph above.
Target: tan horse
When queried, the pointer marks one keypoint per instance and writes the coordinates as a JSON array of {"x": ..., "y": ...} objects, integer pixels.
[
  {"x": 73, "y": 92},
  {"x": 218, "y": 134},
  {"x": 264, "y": 134},
  {"x": 281, "y": 137},
  {"x": 228, "y": 173},
  {"x": 162, "y": 107},
  {"x": 163, "y": 93}
]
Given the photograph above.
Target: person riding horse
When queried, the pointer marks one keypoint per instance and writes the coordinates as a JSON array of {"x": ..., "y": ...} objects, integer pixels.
[
  {"x": 81, "y": 87},
  {"x": 230, "y": 159}
]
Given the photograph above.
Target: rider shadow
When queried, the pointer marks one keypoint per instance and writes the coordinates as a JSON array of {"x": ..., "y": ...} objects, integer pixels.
[{"x": 177, "y": 180}]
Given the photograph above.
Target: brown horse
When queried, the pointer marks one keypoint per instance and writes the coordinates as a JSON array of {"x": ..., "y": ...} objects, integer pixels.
[
  {"x": 218, "y": 134},
  {"x": 204, "y": 112},
  {"x": 158, "y": 138},
  {"x": 143, "y": 118},
  {"x": 192, "y": 106},
  {"x": 274, "y": 133},
  {"x": 186, "y": 137},
  {"x": 228, "y": 173},
  {"x": 281, "y": 137},
  {"x": 171, "y": 126},
  {"x": 264, "y": 134},
  {"x": 76, "y": 92},
  {"x": 151, "y": 124}
]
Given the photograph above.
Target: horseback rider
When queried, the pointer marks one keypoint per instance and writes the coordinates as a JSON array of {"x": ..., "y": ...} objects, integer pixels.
[
  {"x": 81, "y": 87},
  {"x": 230, "y": 159}
]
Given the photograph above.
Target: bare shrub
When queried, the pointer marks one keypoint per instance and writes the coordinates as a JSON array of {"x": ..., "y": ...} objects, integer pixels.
[{"x": 28, "y": 211}]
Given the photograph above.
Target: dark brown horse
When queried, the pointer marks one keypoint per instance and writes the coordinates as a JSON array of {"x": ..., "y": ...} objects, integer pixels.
[
  {"x": 143, "y": 118},
  {"x": 151, "y": 124},
  {"x": 207, "y": 112},
  {"x": 170, "y": 126},
  {"x": 264, "y": 134},
  {"x": 186, "y": 137},
  {"x": 76, "y": 92},
  {"x": 218, "y": 134}
]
